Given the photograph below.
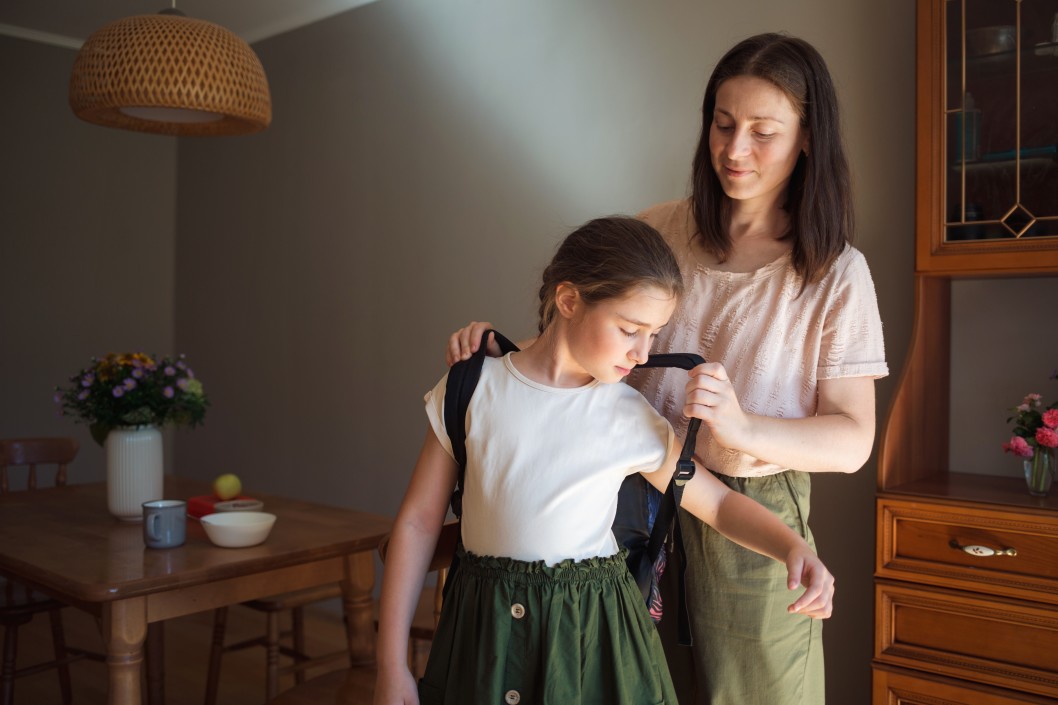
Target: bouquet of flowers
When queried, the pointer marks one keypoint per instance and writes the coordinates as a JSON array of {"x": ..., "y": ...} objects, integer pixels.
[
  {"x": 1034, "y": 427},
  {"x": 133, "y": 389}
]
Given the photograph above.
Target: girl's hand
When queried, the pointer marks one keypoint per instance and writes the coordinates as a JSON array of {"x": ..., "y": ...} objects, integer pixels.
[
  {"x": 806, "y": 569},
  {"x": 466, "y": 341},
  {"x": 395, "y": 687},
  {"x": 711, "y": 398}
]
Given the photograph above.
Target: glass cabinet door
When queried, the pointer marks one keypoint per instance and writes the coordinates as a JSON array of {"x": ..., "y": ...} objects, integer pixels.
[{"x": 1000, "y": 120}]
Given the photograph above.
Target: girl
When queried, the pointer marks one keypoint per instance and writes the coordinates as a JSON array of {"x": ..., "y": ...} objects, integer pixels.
[
  {"x": 543, "y": 609},
  {"x": 784, "y": 309}
]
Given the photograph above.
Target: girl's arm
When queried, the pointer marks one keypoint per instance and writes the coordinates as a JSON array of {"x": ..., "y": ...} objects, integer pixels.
[
  {"x": 749, "y": 524},
  {"x": 837, "y": 439},
  {"x": 411, "y": 546}
]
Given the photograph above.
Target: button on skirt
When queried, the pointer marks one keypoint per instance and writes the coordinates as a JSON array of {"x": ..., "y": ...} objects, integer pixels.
[{"x": 525, "y": 633}]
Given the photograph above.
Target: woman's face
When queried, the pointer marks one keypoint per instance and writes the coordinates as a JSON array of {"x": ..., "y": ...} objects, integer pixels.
[{"x": 754, "y": 140}]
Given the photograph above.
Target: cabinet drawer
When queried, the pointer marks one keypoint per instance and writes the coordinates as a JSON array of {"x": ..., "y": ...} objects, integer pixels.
[
  {"x": 897, "y": 687},
  {"x": 1005, "y": 643},
  {"x": 920, "y": 541}
]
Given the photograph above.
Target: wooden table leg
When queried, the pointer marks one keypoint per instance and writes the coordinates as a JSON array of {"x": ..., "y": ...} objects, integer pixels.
[
  {"x": 357, "y": 603},
  {"x": 155, "y": 654},
  {"x": 124, "y": 631}
]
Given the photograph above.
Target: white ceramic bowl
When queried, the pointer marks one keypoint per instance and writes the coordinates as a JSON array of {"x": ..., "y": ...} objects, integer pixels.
[{"x": 238, "y": 529}]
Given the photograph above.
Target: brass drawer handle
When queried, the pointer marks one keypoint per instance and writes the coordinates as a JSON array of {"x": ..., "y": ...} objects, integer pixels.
[{"x": 983, "y": 551}]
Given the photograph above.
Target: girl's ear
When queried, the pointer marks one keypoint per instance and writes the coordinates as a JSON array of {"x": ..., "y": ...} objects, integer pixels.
[{"x": 567, "y": 298}]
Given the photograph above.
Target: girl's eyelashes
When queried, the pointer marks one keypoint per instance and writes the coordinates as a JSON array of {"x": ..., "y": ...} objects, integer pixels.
[{"x": 630, "y": 333}]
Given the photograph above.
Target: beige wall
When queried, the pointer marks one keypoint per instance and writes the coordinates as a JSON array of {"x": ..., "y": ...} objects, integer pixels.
[
  {"x": 424, "y": 160},
  {"x": 87, "y": 230}
]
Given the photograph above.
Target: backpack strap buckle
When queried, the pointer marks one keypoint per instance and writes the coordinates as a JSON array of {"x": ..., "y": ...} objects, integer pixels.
[{"x": 684, "y": 471}]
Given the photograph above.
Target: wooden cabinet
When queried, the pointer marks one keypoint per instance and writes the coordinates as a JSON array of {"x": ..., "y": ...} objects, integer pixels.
[
  {"x": 966, "y": 571},
  {"x": 987, "y": 135},
  {"x": 895, "y": 687}
]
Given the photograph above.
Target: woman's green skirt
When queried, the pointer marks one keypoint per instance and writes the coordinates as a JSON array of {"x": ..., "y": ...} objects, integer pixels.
[
  {"x": 520, "y": 633},
  {"x": 748, "y": 650}
]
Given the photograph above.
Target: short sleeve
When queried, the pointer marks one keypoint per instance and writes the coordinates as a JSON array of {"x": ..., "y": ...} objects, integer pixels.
[
  {"x": 435, "y": 414},
  {"x": 852, "y": 343},
  {"x": 655, "y": 434}
]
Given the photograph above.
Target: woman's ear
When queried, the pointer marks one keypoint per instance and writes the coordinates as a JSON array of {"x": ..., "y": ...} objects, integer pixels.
[{"x": 567, "y": 298}]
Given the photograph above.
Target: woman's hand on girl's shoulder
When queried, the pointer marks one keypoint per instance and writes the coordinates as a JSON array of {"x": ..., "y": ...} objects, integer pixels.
[
  {"x": 805, "y": 569},
  {"x": 465, "y": 341},
  {"x": 395, "y": 687}
]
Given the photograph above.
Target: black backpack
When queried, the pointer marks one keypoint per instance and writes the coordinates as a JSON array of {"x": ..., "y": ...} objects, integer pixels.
[{"x": 632, "y": 527}]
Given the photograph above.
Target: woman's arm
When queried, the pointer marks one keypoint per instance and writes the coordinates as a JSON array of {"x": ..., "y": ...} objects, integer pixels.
[
  {"x": 411, "y": 546},
  {"x": 749, "y": 524},
  {"x": 837, "y": 439}
]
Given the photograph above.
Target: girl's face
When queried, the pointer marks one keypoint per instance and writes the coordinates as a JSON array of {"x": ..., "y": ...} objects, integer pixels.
[
  {"x": 755, "y": 139},
  {"x": 608, "y": 339}
]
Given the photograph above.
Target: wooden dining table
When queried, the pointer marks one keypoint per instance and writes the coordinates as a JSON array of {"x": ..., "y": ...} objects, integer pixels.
[{"x": 63, "y": 542}]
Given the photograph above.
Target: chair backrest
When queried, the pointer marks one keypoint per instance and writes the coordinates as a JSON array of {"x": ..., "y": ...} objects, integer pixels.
[
  {"x": 442, "y": 558},
  {"x": 31, "y": 452}
]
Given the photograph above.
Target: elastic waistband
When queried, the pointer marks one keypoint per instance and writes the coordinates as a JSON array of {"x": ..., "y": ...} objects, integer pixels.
[{"x": 493, "y": 567}]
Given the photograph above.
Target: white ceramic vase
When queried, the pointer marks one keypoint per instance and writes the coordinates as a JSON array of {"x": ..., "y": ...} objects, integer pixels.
[{"x": 134, "y": 470}]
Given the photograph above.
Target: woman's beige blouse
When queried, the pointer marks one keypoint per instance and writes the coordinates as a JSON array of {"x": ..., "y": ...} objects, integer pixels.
[{"x": 775, "y": 344}]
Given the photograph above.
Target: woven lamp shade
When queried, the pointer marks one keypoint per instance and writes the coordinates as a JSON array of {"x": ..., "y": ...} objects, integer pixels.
[{"x": 171, "y": 75}]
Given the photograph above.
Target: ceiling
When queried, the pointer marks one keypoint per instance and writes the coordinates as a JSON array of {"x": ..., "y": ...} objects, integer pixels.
[{"x": 69, "y": 22}]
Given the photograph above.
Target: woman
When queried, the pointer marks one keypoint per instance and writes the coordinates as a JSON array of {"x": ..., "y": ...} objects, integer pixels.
[{"x": 784, "y": 309}]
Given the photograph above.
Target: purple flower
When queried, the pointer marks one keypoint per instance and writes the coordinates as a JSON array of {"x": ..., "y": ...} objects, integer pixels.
[
  {"x": 83, "y": 395},
  {"x": 129, "y": 383},
  {"x": 182, "y": 383},
  {"x": 168, "y": 393},
  {"x": 181, "y": 364},
  {"x": 87, "y": 380},
  {"x": 118, "y": 392},
  {"x": 57, "y": 398},
  {"x": 170, "y": 371},
  {"x": 190, "y": 373},
  {"x": 138, "y": 373}
]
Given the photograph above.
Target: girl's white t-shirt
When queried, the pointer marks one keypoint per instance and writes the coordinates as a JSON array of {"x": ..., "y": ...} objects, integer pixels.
[{"x": 544, "y": 464}]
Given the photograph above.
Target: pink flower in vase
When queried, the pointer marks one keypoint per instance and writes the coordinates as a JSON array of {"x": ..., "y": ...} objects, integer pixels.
[
  {"x": 1050, "y": 418},
  {"x": 1018, "y": 446},
  {"x": 1047, "y": 437}
]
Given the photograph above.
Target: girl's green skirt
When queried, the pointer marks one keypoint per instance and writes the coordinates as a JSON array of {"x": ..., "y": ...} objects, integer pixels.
[{"x": 520, "y": 633}]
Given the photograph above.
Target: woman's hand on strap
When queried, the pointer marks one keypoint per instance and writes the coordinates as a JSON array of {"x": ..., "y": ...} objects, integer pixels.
[
  {"x": 465, "y": 341},
  {"x": 711, "y": 398}
]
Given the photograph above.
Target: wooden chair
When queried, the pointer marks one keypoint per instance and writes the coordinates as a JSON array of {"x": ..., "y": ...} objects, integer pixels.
[
  {"x": 356, "y": 685},
  {"x": 273, "y": 608},
  {"x": 19, "y": 604}
]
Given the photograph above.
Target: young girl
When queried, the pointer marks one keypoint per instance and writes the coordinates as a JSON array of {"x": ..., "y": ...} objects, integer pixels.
[{"x": 543, "y": 609}]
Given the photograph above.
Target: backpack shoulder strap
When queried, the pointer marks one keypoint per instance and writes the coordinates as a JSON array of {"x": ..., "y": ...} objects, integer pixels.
[
  {"x": 462, "y": 380},
  {"x": 459, "y": 388},
  {"x": 670, "y": 501}
]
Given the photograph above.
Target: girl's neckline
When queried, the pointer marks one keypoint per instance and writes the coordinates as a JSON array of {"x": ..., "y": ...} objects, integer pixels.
[{"x": 509, "y": 364}]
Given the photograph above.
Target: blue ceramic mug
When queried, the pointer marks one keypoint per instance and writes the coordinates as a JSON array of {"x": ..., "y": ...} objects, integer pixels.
[{"x": 164, "y": 523}]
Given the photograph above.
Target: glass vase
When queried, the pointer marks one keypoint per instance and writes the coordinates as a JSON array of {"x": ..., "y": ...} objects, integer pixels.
[{"x": 1039, "y": 471}]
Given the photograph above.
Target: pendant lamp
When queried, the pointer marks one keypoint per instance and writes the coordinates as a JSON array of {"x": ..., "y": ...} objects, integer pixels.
[{"x": 172, "y": 75}]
